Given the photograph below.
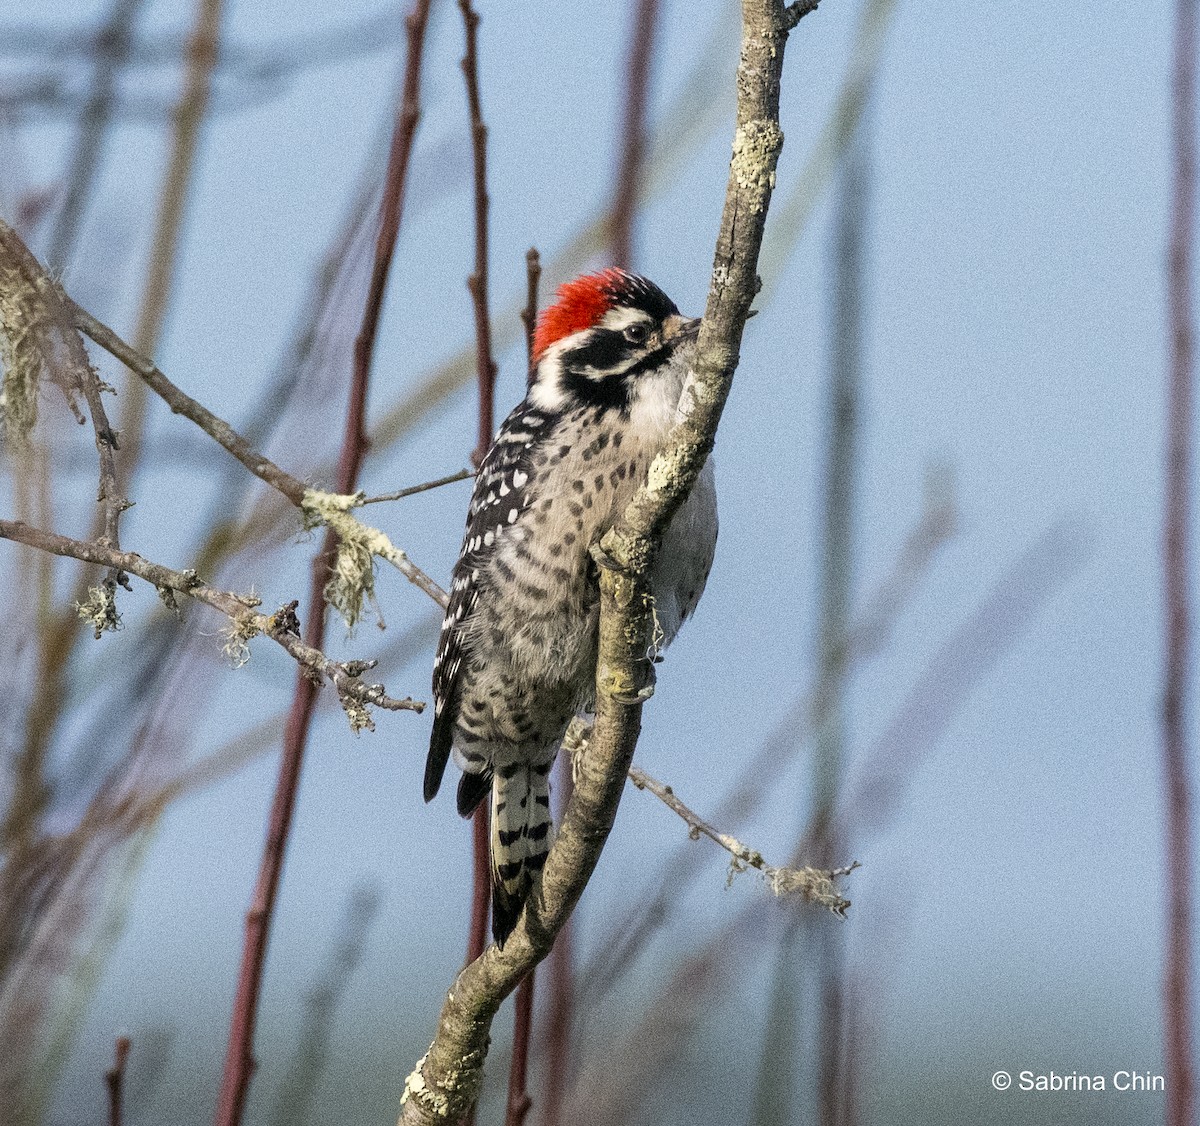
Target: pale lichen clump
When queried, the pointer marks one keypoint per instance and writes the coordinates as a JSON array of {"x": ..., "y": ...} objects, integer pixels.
[
  {"x": 664, "y": 469},
  {"x": 461, "y": 1087},
  {"x": 815, "y": 885},
  {"x": 357, "y": 713},
  {"x": 100, "y": 609},
  {"x": 352, "y": 581},
  {"x": 237, "y": 637},
  {"x": 24, "y": 346},
  {"x": 756, "y": 148}
]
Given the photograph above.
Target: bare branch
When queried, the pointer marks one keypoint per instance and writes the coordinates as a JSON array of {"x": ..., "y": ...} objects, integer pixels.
[
  {"x": 412, "y": 490},
  {"x": 533, "y": 275},
  {"x": 114, "y": 1080},
  {"x": 444, "y": 1084},
  {"x": 342, "y": 581},
  {"x": 796, "y": 11},
  {"x": 633, "y": 132},
  {"x": 477, "y": 283},
  {"x": 814, "y": 885},
  {"x": 1179, "y": 956},
  {"x": 281, "y": 627}
]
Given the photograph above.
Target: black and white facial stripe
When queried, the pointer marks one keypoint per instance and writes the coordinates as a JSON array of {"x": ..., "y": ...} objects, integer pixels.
[{"x": 599, "y": 367}]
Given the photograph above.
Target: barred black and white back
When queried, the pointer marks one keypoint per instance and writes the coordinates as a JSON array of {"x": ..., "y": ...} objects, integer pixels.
[{"x": 517, "y": 656}]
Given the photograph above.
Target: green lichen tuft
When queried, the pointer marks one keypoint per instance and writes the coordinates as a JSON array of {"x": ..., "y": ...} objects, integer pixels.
[
  {"x": 100, "y": 609},
  {"x": 24, "y": 345}
]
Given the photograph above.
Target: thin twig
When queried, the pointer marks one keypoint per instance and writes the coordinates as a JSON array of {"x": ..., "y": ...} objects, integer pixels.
[
  {"x": 814, "y": 885},
  {"x": 239, "y": 1058},
  {"x": 533, "y": 275},
  {"x": 281, "y": 627},
  {"x": 796, "y": 11},
  {"x": 114, "y": 1080},
  {"x": 477, "y": 283},
  {"x": 633, "y": 132},
  {"x": 485, "y": 375},
  {"x": 332, "y": 509},
  {"x": 1177, "y": 990},
  {"x": 630, "y": 930},
  {"x": 517, "y": 1105},
  {"x": 412, "y": 490}
]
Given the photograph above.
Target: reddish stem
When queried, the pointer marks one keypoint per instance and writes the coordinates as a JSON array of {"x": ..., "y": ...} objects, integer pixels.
[
  {"x": 239, "y": 1058},
  {"x": 1177, "y": 1019},
  {"x": 477, "y": 283},
  {"x": 533, "y": 274},
  {"x": 560, "y": 1013},
  {"x": 633, "y": 148},
  {"x": 519, "y": 1102},
  {"x": 480, "y": 895},
  {"x": 114, "y": 1080}
]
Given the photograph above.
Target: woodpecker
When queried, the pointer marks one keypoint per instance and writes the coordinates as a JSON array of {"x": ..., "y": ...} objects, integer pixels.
[{"x": 516, "y": 660}]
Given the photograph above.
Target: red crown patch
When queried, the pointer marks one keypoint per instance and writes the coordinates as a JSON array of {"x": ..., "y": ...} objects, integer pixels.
[{"x": 581, "y": 304}]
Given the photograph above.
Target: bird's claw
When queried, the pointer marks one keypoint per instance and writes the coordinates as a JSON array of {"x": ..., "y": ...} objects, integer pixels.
[{"x": 603, "y": 559}]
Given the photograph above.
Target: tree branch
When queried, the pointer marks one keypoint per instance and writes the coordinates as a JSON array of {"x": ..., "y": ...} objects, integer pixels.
[
  {"x": 1178, "y": 959},
  {"x": 342, "y": 581},
  {"x": 281, "y": 627},
  {"x": 332, "y": 509},
  {"x": 477, "y": 283},
  {"x": 533, "y": 275},
  {"x": 814, "y": 885},
  {"x": 37, "y": 306},
  {"x": 412, "y": 490},
  {"x": 114, "y": 1080},
  {"x": 445, "y": 1083}
]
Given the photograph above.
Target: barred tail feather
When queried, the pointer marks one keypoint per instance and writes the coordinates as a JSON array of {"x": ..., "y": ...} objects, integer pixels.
[{"x": 522, "y": 832}]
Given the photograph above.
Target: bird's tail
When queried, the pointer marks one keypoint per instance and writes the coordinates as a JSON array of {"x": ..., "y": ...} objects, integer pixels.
[{"x": 522, "y": 832}]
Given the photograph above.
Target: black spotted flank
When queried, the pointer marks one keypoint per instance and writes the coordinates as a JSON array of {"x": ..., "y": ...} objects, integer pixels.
[{"x": 501, "y": 493}]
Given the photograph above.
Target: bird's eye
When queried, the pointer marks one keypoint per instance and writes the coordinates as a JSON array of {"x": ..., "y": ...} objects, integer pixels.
[{"x": 637, "y": 333}]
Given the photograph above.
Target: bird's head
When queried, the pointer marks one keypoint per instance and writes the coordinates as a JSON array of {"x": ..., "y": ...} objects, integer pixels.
[{"x": 606, "y": 334}]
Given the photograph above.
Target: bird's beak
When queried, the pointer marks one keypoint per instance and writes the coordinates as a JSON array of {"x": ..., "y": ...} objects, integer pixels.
[{"x": 685, "y": 327}]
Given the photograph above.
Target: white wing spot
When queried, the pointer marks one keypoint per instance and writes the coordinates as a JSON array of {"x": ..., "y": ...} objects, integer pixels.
[
  {"x": 512, "y": 515},
  {"x": 519, "y": 478},
  {"x": 488, "y": 537}
]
